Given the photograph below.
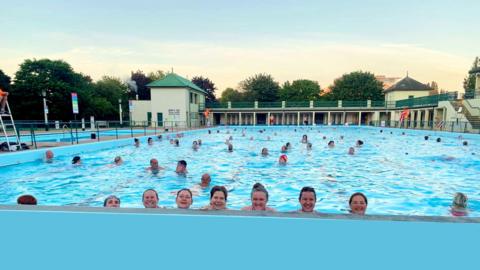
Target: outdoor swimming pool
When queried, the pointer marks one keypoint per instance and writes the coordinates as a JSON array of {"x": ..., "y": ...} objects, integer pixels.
[{"x": 400, "y": 174}]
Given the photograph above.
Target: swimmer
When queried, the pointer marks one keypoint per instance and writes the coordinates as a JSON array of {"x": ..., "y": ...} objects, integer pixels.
[
  {"x": 358, "y": 203},
  {"x": 199, "y": 142},
  {"x": 259, "y": 199},
  {"x": 117, "y": 161},
  {"x": 184, "y": 198},
  {"x": 205, "y": 181},
  {"x": 230, "y": 147},
  {"x": 264, "y": 152},
  {"x": 111, "y": 201},
  {"x": 351, "y": 151},
  {"x": 230, "y": 138},
  {"x": 209, "y": 131},
  {"x": 426, "y": 137},
  {"x": 288, "y": 145},
  {"x": 304, "y": 138},
  {"x": 307, "y": 199},
  {"x": 49, "y": 156},
  {"x": 177, "y": 143},
  {"x": 341, "y": 137},
  {"x": 282, "y": 160},
  {"x": 150, "y": 198},
  {"x": 136, "y": 142},
  {"x": 150, "y": 141},
  {"x": 309, "y": 146},
  {"x": 159, "y": 137},
  {"x": 381, "y": 130},
  {"x": 459, "y": 205},
  {"x": 218, "y": 198},
  {"x": 76, "y": 160},
  {"x": 154, "y": 167},
  {"x": 439, "y": 140},
  {"x": 181, "y": 167},
  {"x": 465, "y": 143},
  {"x": 251, "y": 138},
  {"x": 324, "y": 137},
  {"x": 27, "y": 200},
  {"x": 359, "y": 143},
  {"x": 195, "y": 146},
  {"x": 172, "y": 141},
  {"x": 284, "y": 149},
  {"x": 331, "y": 144}
]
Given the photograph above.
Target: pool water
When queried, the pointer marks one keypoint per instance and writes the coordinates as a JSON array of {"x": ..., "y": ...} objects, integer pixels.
[
  {"x": 400, "y": 174},
  {"x": 68, "y": 136}
]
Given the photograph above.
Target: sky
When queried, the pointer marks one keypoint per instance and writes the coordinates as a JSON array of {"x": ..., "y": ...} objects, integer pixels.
[{"x": 229, "y": 41}]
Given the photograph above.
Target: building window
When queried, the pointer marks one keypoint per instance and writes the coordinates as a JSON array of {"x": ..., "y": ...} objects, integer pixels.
[{"x": 191, "y": 97}]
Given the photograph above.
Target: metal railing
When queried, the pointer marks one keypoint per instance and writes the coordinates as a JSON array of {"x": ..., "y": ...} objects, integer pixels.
[{"x": 35, "y": 134}]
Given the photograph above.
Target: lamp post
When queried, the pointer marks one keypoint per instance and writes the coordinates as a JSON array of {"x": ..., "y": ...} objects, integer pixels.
[
  {"x": 45, "y": 108},
  {"x": 120, "y": 110}
]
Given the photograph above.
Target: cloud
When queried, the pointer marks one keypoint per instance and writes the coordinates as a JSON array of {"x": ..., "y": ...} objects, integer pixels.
[{"x": 227, "y": 63}]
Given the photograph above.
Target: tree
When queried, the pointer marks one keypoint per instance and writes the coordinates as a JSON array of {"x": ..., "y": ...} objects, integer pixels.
[
  {"x": 4, "y": 81},
  {"x": 104, "y": 98},
  {"x": 206, "y": 85},
  {"x": 57, "y": 79},
  {"x": 357, "y": 86},
  {"x": 141, "y": 81},
  {"x": 300, "y": 90},
  {"x": 260, "y": 87},
  {"x": 232, "y": 95},
  {"x": 469, "y": 81},
  {"x": 157, "y": 75}
]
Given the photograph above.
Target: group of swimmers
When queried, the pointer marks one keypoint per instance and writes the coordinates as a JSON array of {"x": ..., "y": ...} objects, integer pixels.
[
  {"x": 259, "y": 195},
  {"x": 258, "y": 200}
]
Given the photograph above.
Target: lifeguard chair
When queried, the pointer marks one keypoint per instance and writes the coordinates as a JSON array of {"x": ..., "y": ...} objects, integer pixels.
[{"x": 6, "y": 121}]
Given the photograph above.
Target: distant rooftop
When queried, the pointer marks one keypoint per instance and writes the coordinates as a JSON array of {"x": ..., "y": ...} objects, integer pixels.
[
  {"x": 174, "y": 80},
  {"x": 408, "y": 84}
]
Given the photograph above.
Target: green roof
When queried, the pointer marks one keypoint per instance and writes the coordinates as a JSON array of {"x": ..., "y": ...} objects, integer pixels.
[
  {"x": 173, "y": 80},
  {"x": 408, "y": 84}
]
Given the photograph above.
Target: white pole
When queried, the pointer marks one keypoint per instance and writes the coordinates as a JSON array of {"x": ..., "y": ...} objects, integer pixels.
[{"x": 120, "y": 111}]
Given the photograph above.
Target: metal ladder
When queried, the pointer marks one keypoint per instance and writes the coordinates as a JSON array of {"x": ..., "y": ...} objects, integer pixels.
[{"x": 5, "y": 124}]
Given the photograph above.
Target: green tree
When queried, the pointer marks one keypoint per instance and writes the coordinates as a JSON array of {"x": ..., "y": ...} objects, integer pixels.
[
  {"x": 469, "y": 81},
  {"x": 300, "y": 90},
  {"x": 232, "y": 95},
  {"x": 206, "y": 85},
  {"x": 57, "y": 79},
  {"x": 141, "y": 80},
  {"x": 157, "y": 75},
  {"x": 104, "y": 97},
  {"x": 260, "y": 87},
  {"x": 357, "y": 85},
  {"x": 4, "y": 81}
]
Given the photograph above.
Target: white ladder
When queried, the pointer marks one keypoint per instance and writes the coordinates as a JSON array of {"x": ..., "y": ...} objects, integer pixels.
[{"x": 8, "y": 115}]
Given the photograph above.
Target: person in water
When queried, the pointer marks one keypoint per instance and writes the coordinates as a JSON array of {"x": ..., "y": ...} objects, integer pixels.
[
  {"x": 150, "y": 198},
  {"x": 184, "y": 198},
  {"x": 112, "y": 201},
  {"x": 459, "y": 205},
  {"x": 259, "y": 199},
  {"x": 358, "y": 203},
  {"x": 307, "y": 200},
  {"x": 218, "y": 198}
]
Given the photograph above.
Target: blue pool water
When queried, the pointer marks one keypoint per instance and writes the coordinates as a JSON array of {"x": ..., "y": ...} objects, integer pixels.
[
  {"x": 400, "y": 174},
  {"x": 82, "y": 135}
]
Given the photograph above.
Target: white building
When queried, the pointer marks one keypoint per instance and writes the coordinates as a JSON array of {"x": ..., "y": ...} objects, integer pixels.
[
  {"x": 175, "y": 101},
  {"x": 406, "y": 88}
]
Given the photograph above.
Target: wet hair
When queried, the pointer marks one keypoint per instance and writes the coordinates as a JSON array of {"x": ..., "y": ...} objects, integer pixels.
[
  {"x": 309, "y": 145},
  {"x": 143, "y": 195},
  {"x": 75, "y": 159},
  {"x": 439, "y": 140},
  {"x": 117, "y": 159},
  {"x": 149, "y": 139},
  {"x": 358, "y": 194},
  {"x": 359, "y": 142},
  {"x": 331, "y": 142},
  {"x": 136, "y": 140},
  {"x": 307, "y": 189},
  {"x": 426, "y": 138},
  {"x": 159, "y": 136},
  {"x": 110, "y": 197},
  {"x": 230, "y": 147},
  {"x": 460, "y": 200},
  {"x": 27, "y": 200},
  {"x": 182, "y": 162},
  {"x": 465, "y": 143},
  {"x": 177, "y": 142},
  {"x": 186, "y": 189},
  {"x": 257, "y": 187},
  {"x": 381, "y": 130},
  {"x": 218, "y": 188}
]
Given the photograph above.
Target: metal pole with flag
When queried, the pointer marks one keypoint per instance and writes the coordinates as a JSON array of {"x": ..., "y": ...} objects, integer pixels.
[{"x": 75, "y": 112}]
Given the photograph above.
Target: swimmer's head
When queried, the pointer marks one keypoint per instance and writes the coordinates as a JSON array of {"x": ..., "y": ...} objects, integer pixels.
[
  {"x": 112, "y": 201},
  {"x": 27, "y": 200},
  {"x": 49, "y": 155},
  {"x": 426, "y": 138},
  {"x": 230, "y": 147},
  {"x": 460, "y": 200},
  {"x": 76, "y": 160},
  {"x": 264, "y": 151},
  {"x": 439, "y": 140},
  {"x": 465, "y": 143},
  {"x": 206, "y": 179},
  {"x": 351, "y": 151},
  {"x": 118, "y": 160},
  {"x": 283, "y": 159}
]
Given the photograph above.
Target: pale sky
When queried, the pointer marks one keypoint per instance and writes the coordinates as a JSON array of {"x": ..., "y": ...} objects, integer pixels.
[{"x": 228, "y": 41}]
